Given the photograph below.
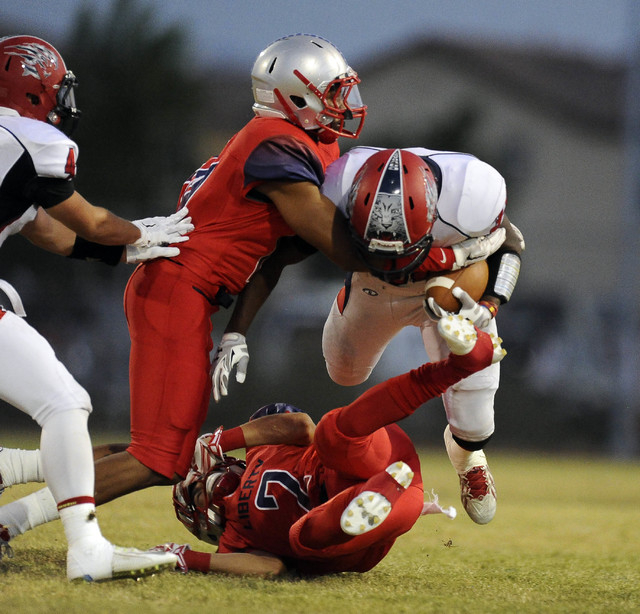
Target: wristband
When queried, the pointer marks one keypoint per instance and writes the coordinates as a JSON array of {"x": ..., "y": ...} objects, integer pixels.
[
  {"x": 197, "y": 561},
  {"x": 88, "y": 250},
  {"x": 233, "y": 439},
  {"x": 493, "y": 309}
]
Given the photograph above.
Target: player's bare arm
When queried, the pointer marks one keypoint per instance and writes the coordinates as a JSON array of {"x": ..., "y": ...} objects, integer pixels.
[
  {"x": 261, "y": 564},
  {"x": 294, "y": 429},
  {"x": 49, "y": 234},
  {"x": 315, "y": 218},
  {"x": 94, "y": 223},
  {"x": 262, "y": 283}
]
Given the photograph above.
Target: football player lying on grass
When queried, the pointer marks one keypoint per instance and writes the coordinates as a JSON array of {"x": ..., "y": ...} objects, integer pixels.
[{"x": 319, "y": 499}]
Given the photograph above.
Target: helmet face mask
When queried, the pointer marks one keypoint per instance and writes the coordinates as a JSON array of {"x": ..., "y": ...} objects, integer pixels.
[
  {"x": 199, "y": 499},
  {"x": 35, "y": 82},
  {"x": 304, "y": 79},
  {"x": 65, "y": 115},
  {"x": 391, "y": 210}
]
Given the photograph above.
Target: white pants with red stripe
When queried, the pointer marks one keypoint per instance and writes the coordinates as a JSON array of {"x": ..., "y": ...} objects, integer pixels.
[{"x": 37, "y": 383}]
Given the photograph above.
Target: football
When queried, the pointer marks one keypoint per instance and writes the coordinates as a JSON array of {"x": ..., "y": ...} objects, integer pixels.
[{"x": 472, "y": 279}]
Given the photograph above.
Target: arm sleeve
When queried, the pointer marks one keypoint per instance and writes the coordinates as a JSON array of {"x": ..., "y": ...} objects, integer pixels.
[
  {"x": 283, "y": 159},
  {"x": 48, "y": 191}
]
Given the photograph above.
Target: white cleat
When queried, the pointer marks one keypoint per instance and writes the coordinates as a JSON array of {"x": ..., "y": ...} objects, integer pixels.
[
  {"x": 477, "y": 487},
  {"x": 369, "y": 509},
  {"x": 498, "y": 351},
  {"x": 401, "y": 473},
  {"x": 101, "y": 560},
  {"x": 459, "y": 334}
]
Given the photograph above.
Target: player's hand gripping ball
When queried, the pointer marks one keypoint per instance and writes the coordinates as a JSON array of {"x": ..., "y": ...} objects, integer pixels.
[{"x": 472, "y": 279}]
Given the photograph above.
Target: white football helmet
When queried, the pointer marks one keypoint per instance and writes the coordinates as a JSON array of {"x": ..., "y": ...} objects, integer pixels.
[{"x": 303, "y": 78}]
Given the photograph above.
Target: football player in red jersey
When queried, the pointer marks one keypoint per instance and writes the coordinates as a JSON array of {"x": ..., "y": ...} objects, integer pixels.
[
  {"x": 319, "y": 500},
  {"x": 38, "y": 200},
  {"x": 263, "y": 187},
  {"x": 406, "y": 208},
  {"x": 259, "y": 196}
]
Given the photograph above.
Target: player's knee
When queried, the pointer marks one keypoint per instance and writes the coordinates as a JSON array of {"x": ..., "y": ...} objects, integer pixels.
[
  {"x": 345, "y": 376},
  {"x": 49, "y": 411}
]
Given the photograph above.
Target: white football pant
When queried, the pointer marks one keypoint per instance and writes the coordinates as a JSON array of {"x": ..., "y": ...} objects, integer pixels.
[{"x": 375, "y": 312}]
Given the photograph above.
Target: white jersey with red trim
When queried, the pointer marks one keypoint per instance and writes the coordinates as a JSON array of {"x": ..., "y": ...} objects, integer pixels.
[
  {"x": 37, "y": 163},
  {"x": 471, "y": 196},
  {"x": 368, "y": 312}
]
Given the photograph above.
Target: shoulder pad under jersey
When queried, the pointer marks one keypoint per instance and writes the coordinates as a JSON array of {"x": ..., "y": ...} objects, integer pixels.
[
  {"x": 473, "y": 195},
  {"x": 340, "y": 174},
  {"x": 53, "y": 153}
]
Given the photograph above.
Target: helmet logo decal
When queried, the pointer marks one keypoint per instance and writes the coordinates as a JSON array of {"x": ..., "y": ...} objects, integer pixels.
[
  {"x": 431, "y": 193},
  {"x": 386, "y": 217},
  {"x": 387, "y": 214},
  {"x": 34, "y": 55}
]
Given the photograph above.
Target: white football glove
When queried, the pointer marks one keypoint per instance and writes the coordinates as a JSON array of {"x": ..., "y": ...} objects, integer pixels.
[
  {"x": 478, "y": 314},
  {"x": 178, "y": 550},
  {"x": 164, "y": 230},
  {"x": 232, "y": 352},
  {"x": 136, "y": 255},
  {"x": 207, "y": 452},
  {"x": 479, "y": 248}
]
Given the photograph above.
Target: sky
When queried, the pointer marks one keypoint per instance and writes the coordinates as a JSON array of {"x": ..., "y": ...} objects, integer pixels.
[{"x": 233, "y": 32}]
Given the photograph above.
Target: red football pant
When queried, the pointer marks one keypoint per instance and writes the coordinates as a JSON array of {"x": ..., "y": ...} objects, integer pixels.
[{"x": 169, "y": 369}]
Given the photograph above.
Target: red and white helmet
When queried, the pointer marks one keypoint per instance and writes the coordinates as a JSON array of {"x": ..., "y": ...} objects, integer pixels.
[
  {"x": 35, "y": 82},
  {"x": 206, "y": 520},
  {"x": 303, "y": 78},
  {"x": 391, "y": 210}
]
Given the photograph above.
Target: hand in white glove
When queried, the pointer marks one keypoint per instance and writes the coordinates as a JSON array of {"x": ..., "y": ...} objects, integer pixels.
[
  {"x": 208, "y": 452},
  {"x": 478, "y": 314},
  {"x": 136, "y": 255},
  {"x": 479, "y": 248},
  {"x": 178, "y": 550},
  {"x": 164, "y": 230},
  {"x": 232, "y": 352}
]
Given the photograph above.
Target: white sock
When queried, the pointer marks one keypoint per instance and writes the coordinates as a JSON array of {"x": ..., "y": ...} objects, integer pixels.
[
  {"x": 20, "y": 466},
  {"x": 67, "y": 455},
  {"x": 29, "y": 512},
  {"x": 80, "y": 524},
  {"x": 459, "y": 457}
]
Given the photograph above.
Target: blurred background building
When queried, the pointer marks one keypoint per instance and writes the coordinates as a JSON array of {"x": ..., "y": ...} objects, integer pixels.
[{"x": 559, "y": 123}]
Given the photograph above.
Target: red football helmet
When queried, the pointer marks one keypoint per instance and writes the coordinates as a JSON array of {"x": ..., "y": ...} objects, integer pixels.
[
  {"x": 391, "y": 210},
  {"x": 198, "y": 499},
  {"x": 35, "y": 82}
]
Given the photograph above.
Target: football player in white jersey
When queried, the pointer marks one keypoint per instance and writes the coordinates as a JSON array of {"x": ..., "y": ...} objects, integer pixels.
[
  {"x": 38, "y": 201},
  {"x": 382, "y": 194}
]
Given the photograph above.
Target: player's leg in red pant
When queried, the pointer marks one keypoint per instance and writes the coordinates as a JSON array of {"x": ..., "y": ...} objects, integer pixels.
[
  {"x": 318, "y": 534},
  {"x": 170, "y": 327}
]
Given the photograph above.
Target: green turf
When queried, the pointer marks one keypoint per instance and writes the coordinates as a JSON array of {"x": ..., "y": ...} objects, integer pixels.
[{"x": 566, "y": 538}]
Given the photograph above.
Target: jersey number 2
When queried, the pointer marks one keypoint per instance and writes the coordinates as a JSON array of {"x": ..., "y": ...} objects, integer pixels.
[{"x": 267, "y": 501}]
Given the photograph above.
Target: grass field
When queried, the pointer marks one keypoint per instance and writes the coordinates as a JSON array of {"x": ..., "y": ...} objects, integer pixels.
[{"x": 566, "y": 538}]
